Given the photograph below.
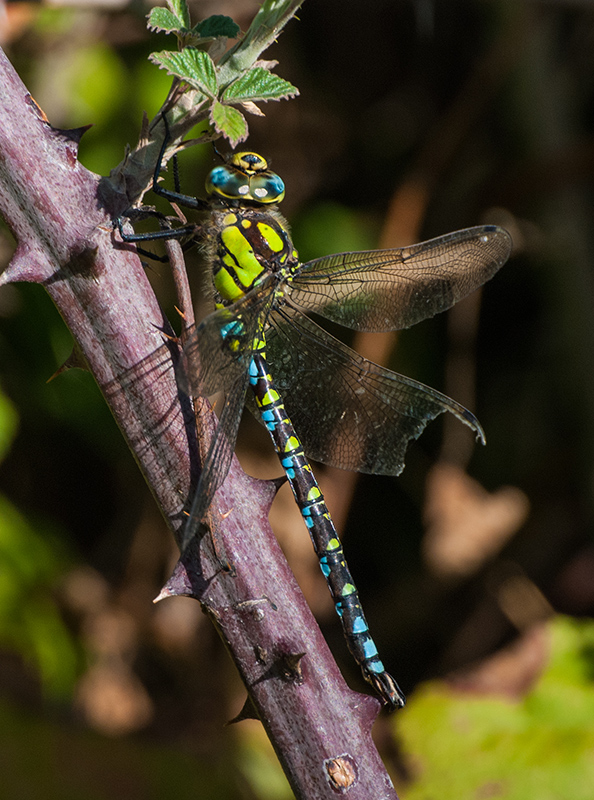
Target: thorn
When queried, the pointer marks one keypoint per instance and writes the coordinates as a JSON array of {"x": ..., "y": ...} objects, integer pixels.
[
  {"x": 25, "y": 266},
  {"x": 72, "y": 134},
  {"x": 170, "y": 337},
  {"x": 289, "y": 666},
  {"x": 74, "y": 361},
  {"x": 247, "y": 712},
  {"x": 278, "y": 482}
]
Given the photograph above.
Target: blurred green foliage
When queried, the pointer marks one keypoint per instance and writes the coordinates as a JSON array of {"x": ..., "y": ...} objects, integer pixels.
[
  {"x": 541, "y": 746},
  {"x": 33, "y": 559}
]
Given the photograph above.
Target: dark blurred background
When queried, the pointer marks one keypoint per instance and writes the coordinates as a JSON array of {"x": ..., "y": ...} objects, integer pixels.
[{"x": 415, "y": 118}]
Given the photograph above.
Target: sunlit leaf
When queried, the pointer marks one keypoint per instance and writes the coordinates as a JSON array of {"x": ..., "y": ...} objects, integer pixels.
[
  {"x": 230, "y": 122},
  {"x": 538, "y": 746},
  {"x": 161, "y": 19},
  {"x": 30, "y": 621},
  {"x": 258, "y": 84},
  {"x": 181, "y": 11},
  {"x": 193, "y": 66}
]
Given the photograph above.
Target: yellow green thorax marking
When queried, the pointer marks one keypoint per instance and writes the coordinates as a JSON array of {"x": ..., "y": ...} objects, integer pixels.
[
  {"x": 241, "y": 267},
  {"x": 272, "y": 238}
]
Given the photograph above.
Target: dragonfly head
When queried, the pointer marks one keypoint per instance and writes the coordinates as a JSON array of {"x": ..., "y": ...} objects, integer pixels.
[{"x": 246, "y": 177}]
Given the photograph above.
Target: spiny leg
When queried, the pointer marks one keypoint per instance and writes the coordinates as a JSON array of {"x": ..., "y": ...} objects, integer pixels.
[{"x": 196, "y": 203}]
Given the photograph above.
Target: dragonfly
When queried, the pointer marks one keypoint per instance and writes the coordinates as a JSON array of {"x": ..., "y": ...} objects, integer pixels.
[{"x": 317, "y": 397}]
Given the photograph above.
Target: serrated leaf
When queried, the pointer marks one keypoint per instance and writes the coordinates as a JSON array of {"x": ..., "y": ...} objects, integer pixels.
[
  {"x": 161, "y": 19},
  {"x": 193, "y": 66},
  {"x": 230, "y": 122},
  {"x": 258, "y": 84},
  {"x": 181, "y": 10},
  {"x": 215, "y": 26}
]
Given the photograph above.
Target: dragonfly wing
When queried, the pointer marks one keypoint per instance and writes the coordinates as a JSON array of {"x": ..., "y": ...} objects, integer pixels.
[
  {"x": 217, "y": 357},
  {"x": 383, "y": 290},
  {"x": 218, "y": 350},
  {"x": 217, "y": 462},
  {"x": 348, "y": 411}
]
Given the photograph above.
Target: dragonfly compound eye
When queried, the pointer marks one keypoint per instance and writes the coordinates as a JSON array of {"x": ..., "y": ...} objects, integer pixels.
[
  {"x": 267, "y": 187},
  {"x": 233, "y": 183}
]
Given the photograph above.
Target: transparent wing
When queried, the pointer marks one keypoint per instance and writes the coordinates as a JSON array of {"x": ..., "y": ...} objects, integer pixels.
[
  {"x": 217, "y": 354},
  {"x": 384, "y": 290},
  {"x": 217, "y": 462},
  {"x": 349, "y": 412},
  {"x": 218, "y": 351}
]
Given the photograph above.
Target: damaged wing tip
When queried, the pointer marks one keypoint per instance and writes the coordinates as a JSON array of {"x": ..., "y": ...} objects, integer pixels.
[{"x": 469, "y": 419}]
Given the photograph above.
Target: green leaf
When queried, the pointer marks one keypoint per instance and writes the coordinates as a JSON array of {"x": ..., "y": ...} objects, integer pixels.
[
  {"x": 215, "y": 26},
  {"x": 193, "y": 66},
  {"x": 539, "y": 745},
  {"x": 230, "y": 122},
  {"x": 181, "y": 11},
  {"x": 258, "y": 84},
  {"x": 161, "y": 19}
]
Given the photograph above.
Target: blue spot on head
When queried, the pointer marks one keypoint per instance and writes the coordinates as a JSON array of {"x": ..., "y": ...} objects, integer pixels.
[
  {"x": 219, "y": 176},
  {"x": 277, "y": 183}
]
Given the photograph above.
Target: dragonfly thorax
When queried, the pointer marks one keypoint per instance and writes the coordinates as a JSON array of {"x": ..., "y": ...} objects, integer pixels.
[
  {"x": 247, "y": 244},
  {"x": 246, "y": 178}
]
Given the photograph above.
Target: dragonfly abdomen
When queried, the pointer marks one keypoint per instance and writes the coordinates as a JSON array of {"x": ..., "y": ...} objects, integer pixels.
[{"x": 322, "y": 531}]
